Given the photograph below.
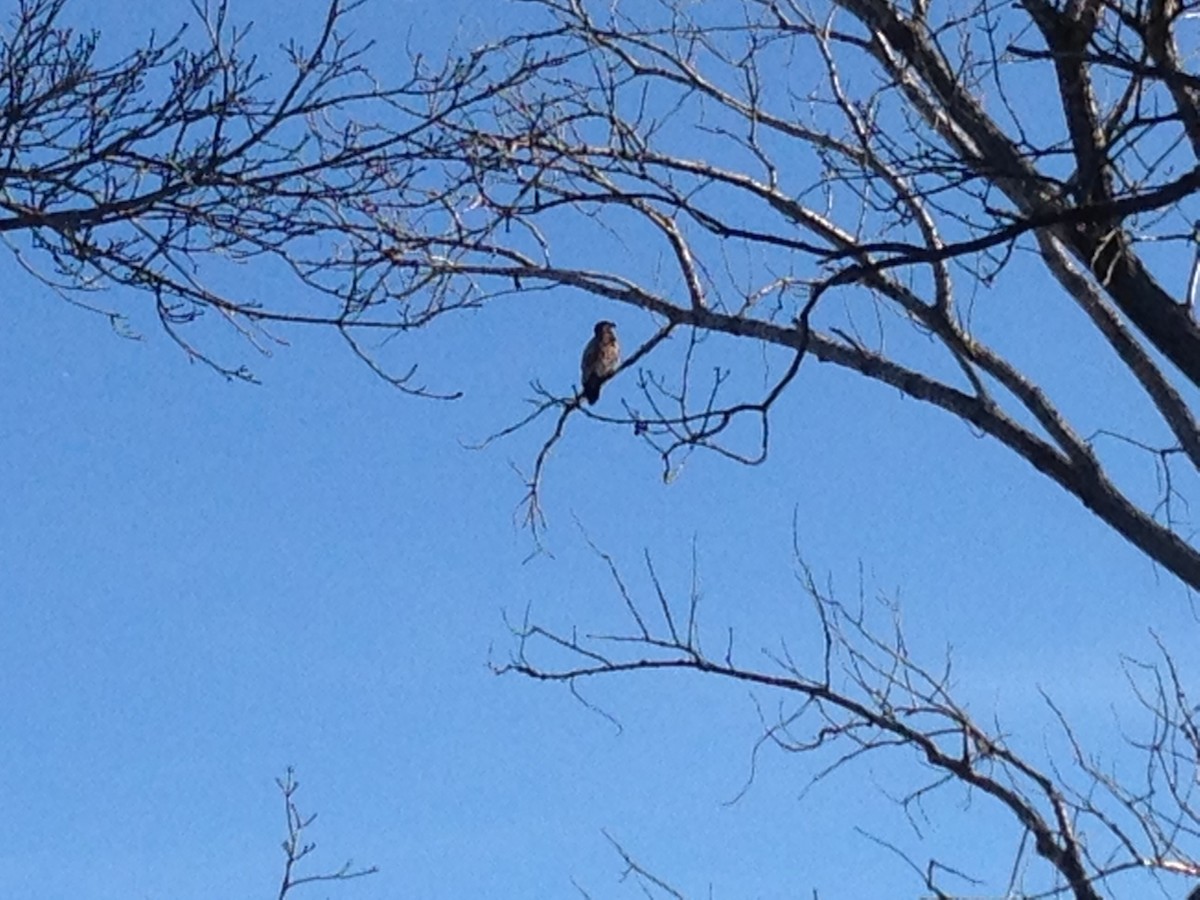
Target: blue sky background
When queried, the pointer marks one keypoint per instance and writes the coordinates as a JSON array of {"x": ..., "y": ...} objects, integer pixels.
[{"x": 202, "y": 583}]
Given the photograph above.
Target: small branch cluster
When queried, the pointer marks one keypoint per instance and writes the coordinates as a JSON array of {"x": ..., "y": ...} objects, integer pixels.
[{"x": 297, "y": 847}]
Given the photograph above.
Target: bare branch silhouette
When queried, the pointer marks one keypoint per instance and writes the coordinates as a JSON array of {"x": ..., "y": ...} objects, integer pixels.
[
  {"x": 297, "y": 847},
  {"x": 857, "y": 692}
]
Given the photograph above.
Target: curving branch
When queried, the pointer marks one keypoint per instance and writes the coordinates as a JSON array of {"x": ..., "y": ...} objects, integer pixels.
[{"x": 857, "y": 692}]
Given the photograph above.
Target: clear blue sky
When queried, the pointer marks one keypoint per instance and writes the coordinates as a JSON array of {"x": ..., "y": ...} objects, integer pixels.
[{"x": 202, "y": 583}]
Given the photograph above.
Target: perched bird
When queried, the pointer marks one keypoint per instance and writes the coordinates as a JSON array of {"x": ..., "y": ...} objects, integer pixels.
[{"x": 600, "y": 359}]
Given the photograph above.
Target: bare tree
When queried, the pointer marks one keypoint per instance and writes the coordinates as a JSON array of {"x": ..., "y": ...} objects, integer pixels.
[
  {"x": 843, "y": 181},
  {"x": 865, "y": 171},
  {"x": 851, "y": 181}
]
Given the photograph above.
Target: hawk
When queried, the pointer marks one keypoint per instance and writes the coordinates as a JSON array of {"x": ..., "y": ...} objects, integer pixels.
[{"x": 600, "y": 359}]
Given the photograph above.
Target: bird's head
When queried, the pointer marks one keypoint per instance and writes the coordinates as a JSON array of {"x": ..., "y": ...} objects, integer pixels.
[{"x": 605, "y": 328}]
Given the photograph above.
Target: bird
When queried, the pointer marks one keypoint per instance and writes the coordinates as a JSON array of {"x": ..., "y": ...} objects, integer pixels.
[{"x": 601, "y": 357}]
